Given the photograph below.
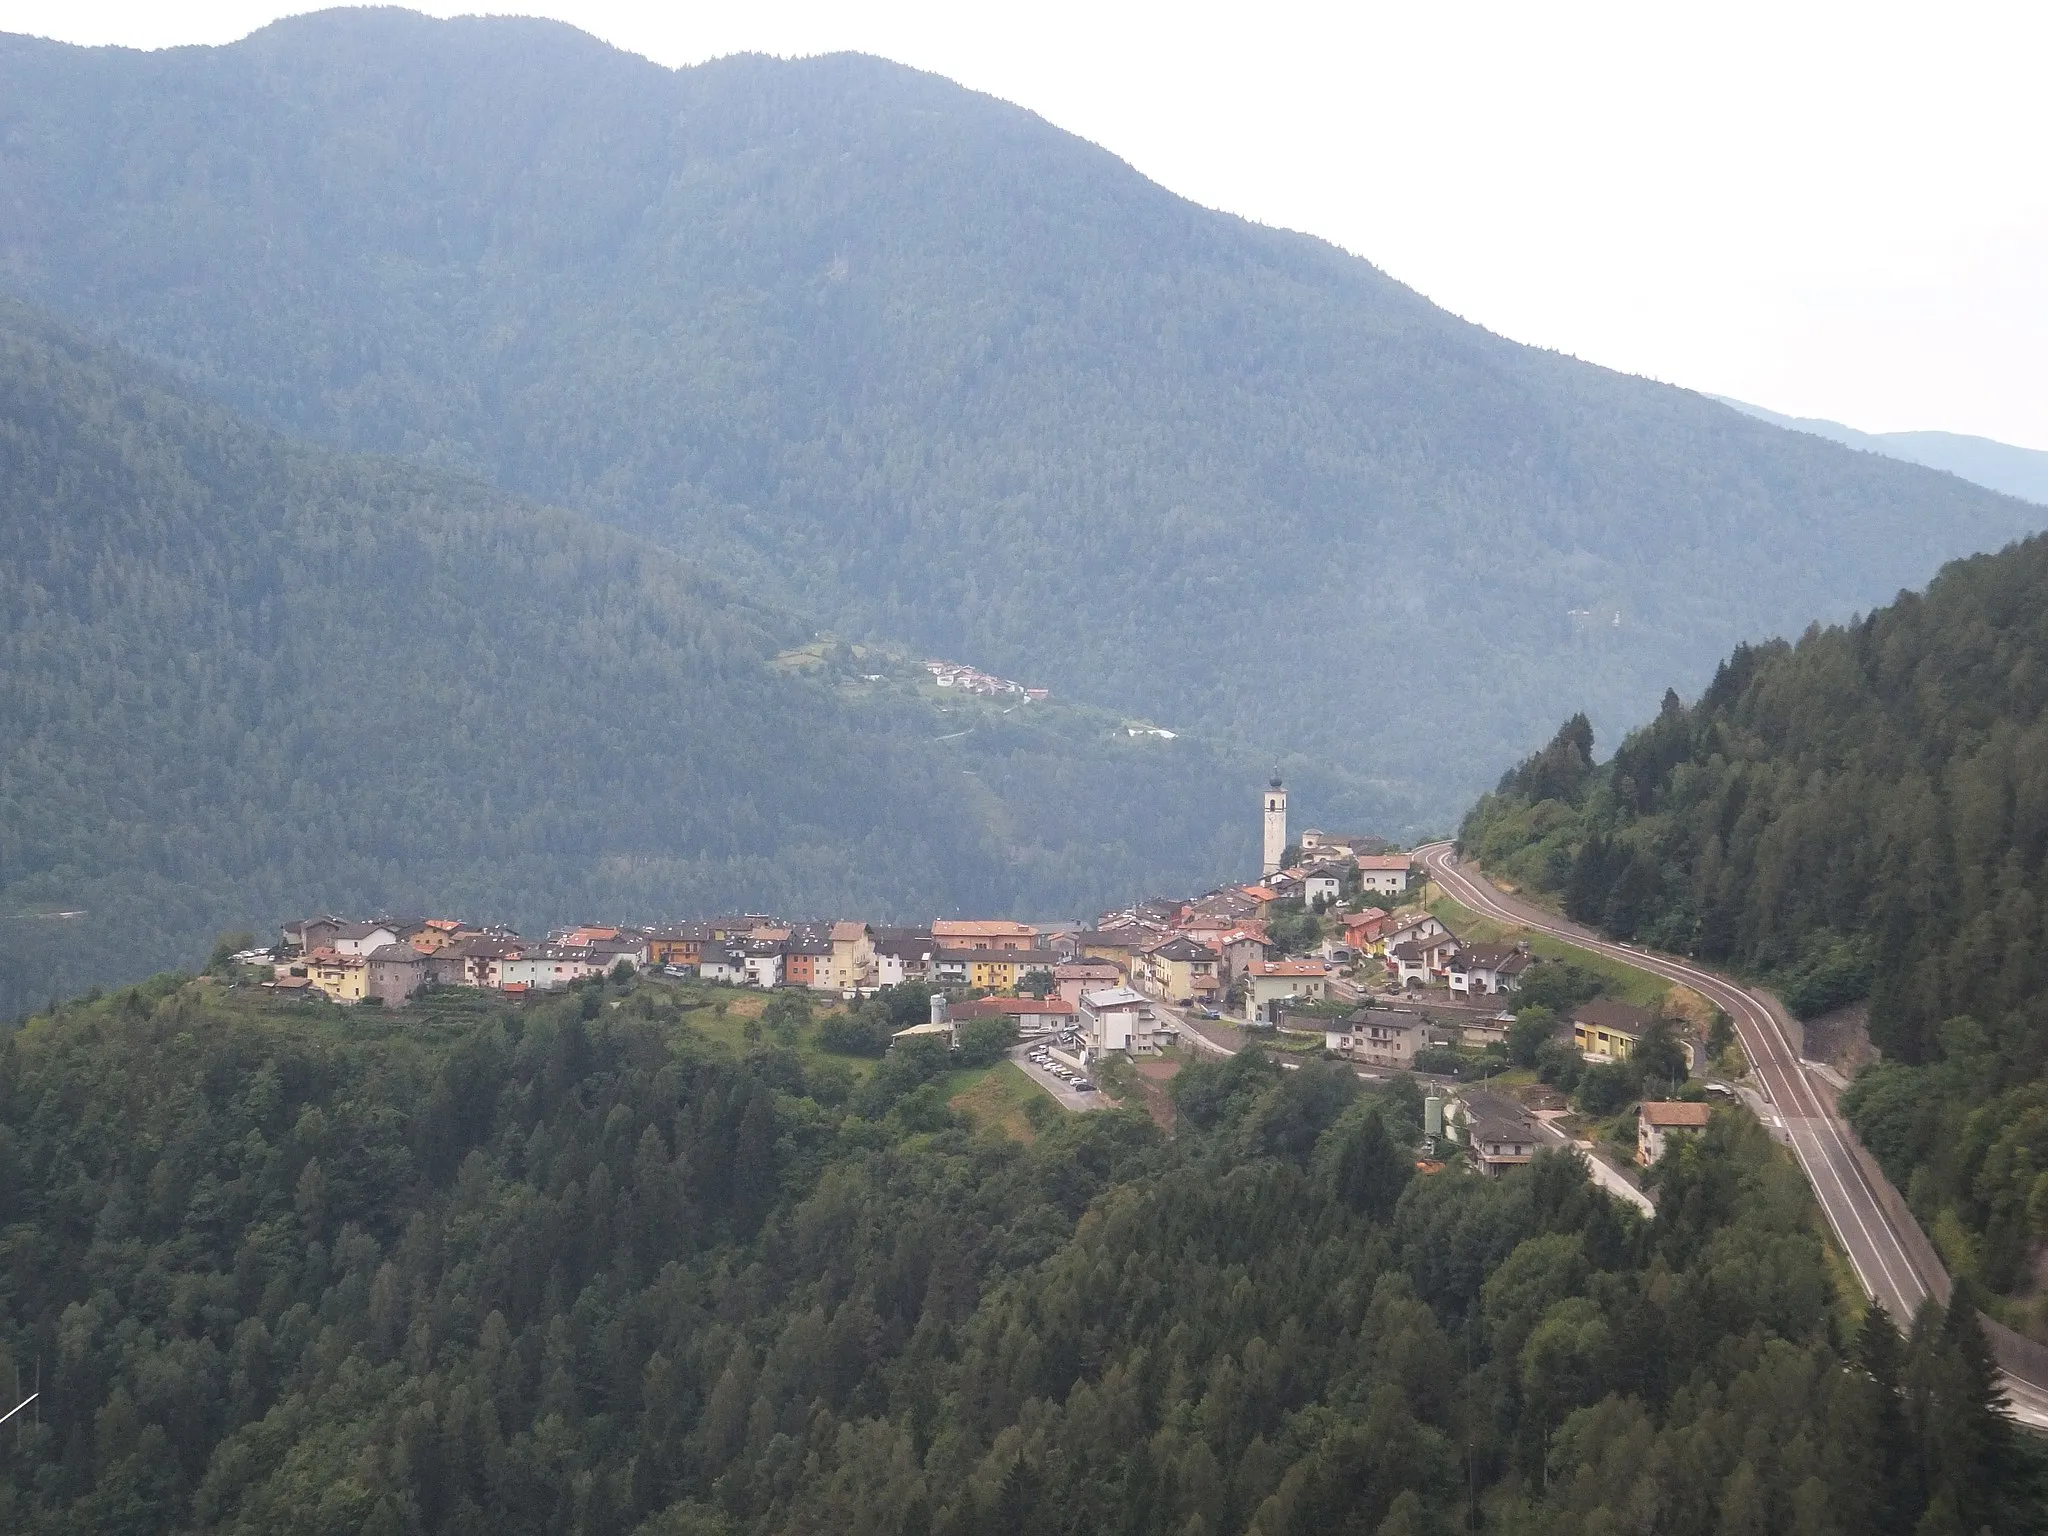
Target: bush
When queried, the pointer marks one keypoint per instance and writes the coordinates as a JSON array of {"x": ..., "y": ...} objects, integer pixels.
[
  {"x": 1534, "y": 1027},
  {"x": 908, "y": 1065},
  {"x": 1657, "y": 1058},
  {"x": 1604, "y": 1088},
  {"x": 1441, "y": 1060},
  {"x": 788, "y": 1012},
  {"x": 858, "y": 1033},
  {"x": 1557, "y": 984},
  {"x": 983, "y": 1041},
  {"x": 1829, "y": 975},
  {"x": 1559, "y": 1065}
]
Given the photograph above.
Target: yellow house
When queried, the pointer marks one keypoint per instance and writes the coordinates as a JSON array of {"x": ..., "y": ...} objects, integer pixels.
[
  {"x": 1114, "y": 946},
  {"x": 1181, "y": 970},
  {"x": 1606, "y": 1030},
  {"x": 853, "y": 954},
  {"x": 342, "y": 978},
  {"x": 992, "y": 970}
]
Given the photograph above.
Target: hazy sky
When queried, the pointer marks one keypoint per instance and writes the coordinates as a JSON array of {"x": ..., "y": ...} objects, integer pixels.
[{"x": 1832, "y": 210}]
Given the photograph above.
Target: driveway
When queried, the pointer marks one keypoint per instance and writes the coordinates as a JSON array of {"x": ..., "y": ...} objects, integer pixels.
[{"x": 1058, "y": 1088}]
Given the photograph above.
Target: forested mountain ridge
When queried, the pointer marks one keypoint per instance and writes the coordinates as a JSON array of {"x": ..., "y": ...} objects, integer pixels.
[
  {"x": 242, "y": 679},
  {"x": 1861, "y": 814},
  {"x": 568, "y": 1267},
  {"x": 914, "y": 362}
]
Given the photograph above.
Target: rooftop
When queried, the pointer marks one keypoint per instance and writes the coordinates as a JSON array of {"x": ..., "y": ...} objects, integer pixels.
[
  {"x": 990, "y": 1007},
  {"x": 1287, "y": 968},
  {"x": 1606, "y": 1013},
  {"x": 1675, "y": 1115},
  {"x": 1114, "y": 997}
]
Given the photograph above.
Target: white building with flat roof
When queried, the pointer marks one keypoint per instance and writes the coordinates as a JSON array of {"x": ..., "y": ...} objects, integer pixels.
[{"x": 1118, "y": 1019}]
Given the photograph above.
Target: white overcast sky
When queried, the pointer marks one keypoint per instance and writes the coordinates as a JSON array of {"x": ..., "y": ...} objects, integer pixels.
[{"x": 1831, "y": 210}]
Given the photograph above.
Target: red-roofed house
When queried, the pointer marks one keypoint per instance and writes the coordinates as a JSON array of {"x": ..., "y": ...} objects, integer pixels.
[
  {"x": 1657, "y": 1123},
  {"x": 983, "y": 933},
  {"x": 1363, "y": 930},
  {"x": 1032, "y": 1016},
  {"x": 1074, "y": 977}
]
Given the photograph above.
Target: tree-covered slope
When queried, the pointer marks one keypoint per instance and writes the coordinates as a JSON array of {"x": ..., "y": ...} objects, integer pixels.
[
  {"x": 1864, "y": 813},
  {"x": 571, "y": 1268},
  {"x": 915, "y": 362},
  {"x": 241, "y": 678}
]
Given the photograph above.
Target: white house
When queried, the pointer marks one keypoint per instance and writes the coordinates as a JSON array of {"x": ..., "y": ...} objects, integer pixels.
[
  {"x": 761, "y": 961},
  {"x": 1389, "y": 872},
  {"x": 1118, "y": 1019},
  {"x": 363, "y": 938},
  {"x": 899, "y": 959},
  {"x": 1657, "y": 1123},
  {"x": 545, "y": 967},
  {"x": 1421, "y": 961},
  {"x": 1322, "y": 882},
  {"x": 1414, "y": 929},
  {"x": 727, "y": 965},
  {"x": 1489, "y": 969},
  {"x": 1498, "y": 1132}
]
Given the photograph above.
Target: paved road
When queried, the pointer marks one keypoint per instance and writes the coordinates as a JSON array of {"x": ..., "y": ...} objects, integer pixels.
[
  {"x": 1057, "y": 1087},
  {"x": 1891, "y": 1256},
  {"x": 1601, "y": 1172}
]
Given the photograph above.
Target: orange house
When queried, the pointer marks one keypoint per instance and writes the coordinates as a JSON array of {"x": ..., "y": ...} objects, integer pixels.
[
  {"x": 682, "y": 944},
  {"x": 804, "y": 961},
  {"x": 436, "y": 934},
  {"x": 983, "y": 933}
]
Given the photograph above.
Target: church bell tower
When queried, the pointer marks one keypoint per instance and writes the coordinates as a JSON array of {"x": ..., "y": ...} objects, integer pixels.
[{"x": 1276, "y": 825}]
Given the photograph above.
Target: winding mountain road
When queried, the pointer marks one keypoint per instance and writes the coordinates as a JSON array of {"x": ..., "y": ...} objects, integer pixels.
[{"x": 1892, "y": 1257}]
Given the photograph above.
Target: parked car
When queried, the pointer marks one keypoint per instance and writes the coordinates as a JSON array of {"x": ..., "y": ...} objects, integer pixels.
[{"x": 1082, "y": 1085}]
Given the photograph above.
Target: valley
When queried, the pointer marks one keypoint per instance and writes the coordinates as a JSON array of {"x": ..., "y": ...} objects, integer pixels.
[{"x": 753, "y": 799}]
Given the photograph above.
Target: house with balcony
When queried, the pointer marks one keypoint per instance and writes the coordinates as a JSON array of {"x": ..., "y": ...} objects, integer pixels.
[
  {"x": 1270, "y": 983},
  {"x": 1181, "y": 971}
]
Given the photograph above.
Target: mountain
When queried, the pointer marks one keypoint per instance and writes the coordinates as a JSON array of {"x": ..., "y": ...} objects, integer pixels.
[
  {"x": 244, "y": 679},
  {"x": 2021, "y": 472},
  {"x": 913, "y": 362},
  {"x": 1862, "y": 815}
]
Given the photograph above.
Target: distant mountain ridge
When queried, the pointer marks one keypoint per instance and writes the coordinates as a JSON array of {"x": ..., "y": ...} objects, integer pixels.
[
  {"x": 2003, "y": 467},
  {"x": 912, "y": 361}
]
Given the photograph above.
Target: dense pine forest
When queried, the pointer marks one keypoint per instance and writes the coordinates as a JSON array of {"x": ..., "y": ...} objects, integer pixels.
[
  {"x": 1860, "y": 815},
  {"x": 576, "y": 1266},
  {"x": 241, "y": 680},
  {"x": 914, "y": 363}
]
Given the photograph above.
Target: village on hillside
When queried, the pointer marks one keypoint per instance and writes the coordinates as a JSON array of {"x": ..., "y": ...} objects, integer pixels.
[{"x": 1334, "y": 950}]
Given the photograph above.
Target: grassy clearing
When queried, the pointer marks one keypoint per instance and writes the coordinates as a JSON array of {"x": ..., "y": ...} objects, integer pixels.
[
  {"x": 1624, "y": 982},
  {"x": 999, "y": 1099},
  {"x": 1116, "y": 1079},
  {"x": 724, "y": 1013}
]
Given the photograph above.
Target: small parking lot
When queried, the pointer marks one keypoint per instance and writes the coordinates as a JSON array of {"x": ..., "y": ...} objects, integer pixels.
[{"x": 1060, "y": 1088}]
